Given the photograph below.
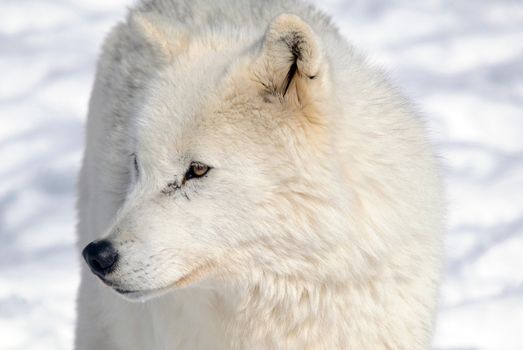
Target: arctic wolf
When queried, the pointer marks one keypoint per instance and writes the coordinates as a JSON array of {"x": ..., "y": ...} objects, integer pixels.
[{"x": 255, "y": 185}]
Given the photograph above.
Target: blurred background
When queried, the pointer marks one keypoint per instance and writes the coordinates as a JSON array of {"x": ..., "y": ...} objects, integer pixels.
[{"x": 461, "y": 61}]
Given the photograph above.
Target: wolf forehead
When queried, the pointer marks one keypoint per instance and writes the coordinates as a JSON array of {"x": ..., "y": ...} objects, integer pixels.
[
  {"x": 208, "y": 88},
  {"x": 190, "y": 108}
]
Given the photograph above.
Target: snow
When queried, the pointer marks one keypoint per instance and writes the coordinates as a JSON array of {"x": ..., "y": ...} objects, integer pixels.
[{"x": 461, "y": 61}]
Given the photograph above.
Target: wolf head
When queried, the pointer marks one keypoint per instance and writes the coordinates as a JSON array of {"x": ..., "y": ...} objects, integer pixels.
[{"x": 233, "y": 161}]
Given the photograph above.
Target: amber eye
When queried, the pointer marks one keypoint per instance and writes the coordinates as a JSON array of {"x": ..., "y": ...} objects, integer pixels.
[{"x": 196, "y": 170}]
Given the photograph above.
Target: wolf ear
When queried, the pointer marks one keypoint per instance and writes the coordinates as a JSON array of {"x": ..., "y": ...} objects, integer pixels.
[
  {"x": 291, "y": 59},
  {"x": 164, "y": 41}
]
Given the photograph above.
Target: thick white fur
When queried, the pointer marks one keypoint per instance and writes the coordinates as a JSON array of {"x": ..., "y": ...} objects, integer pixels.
[{"x": 319, "y": 224}]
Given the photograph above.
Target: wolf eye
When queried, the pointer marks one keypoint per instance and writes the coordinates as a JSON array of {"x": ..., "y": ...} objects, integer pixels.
[{"x": 196, "y": 170}]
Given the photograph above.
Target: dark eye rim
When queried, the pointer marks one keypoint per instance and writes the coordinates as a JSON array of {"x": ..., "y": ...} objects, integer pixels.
[
  {"x": 190, "y": 174},
  {"x": 135, "y": 164}
]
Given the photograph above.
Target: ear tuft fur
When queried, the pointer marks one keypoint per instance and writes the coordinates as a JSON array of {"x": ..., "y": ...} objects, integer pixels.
[
  {"x": 290, "y": 36},
  {"x": 290, "y": 54},
  {"x": 161, "y": 36}
]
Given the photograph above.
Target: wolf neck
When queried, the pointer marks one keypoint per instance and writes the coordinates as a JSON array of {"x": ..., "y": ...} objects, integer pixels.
[{"x": 282, "y": 312}]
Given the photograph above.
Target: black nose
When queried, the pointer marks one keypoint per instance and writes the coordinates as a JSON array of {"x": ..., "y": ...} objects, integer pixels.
[{"x": 101, "y": 257}]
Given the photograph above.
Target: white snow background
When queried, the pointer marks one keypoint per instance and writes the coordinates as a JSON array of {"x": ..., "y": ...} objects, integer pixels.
[{"x": 460, "y": 60}]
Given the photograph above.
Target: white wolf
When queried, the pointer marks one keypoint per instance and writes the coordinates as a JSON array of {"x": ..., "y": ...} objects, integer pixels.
[{"x": 256, "y": 185}]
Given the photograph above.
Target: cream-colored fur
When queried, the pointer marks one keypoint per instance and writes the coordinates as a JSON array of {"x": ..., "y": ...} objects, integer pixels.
[{"x": 320, "y": 221}]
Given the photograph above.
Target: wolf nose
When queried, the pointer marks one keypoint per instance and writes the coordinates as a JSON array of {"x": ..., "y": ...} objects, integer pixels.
[{"x": 101, "y": 257}]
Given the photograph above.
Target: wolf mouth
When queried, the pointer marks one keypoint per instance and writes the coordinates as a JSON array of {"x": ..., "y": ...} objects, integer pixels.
[
  {"x": 129, "y": 293},
  {"x": 125, "y": 291},
  {"x": 140, "y": 294},
  {"x": 135, "y": 294},
  {"x": 192, "y": 276},
  {"x": 144, "y": 294}
]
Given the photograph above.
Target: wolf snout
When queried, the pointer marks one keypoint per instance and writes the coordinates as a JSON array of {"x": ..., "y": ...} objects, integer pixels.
[{"x": 101, "y": 257}]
